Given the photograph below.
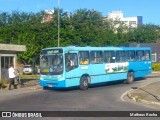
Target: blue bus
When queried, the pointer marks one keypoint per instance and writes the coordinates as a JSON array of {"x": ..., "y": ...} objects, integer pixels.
[{"x": 62, "y": 67}]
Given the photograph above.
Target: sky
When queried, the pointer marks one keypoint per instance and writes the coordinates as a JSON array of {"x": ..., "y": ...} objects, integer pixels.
[{"x": 149, "y": 9}]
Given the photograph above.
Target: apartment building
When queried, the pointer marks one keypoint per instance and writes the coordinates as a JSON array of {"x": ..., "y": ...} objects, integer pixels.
[
  {"x": 48, "y": 16},
  {"x": 117, "y": 16}
]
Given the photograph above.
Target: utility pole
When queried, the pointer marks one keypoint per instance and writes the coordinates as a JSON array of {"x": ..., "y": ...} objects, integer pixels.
[{"x": 58, "y": 23}]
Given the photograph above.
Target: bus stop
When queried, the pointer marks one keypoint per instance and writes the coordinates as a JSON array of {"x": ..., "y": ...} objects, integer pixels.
[{"x": 8, "y": 55}]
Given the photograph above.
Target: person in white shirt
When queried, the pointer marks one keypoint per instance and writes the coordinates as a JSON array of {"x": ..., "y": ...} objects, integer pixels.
[{"x": 12, "y": 76}]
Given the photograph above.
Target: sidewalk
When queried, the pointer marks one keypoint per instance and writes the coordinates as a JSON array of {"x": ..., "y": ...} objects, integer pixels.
[
  {"x": 149, "y": 95},
  {"x": 8, "y": 94}
]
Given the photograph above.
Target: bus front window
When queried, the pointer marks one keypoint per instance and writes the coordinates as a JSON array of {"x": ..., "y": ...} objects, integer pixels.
[{"x": 51, "y": 64}]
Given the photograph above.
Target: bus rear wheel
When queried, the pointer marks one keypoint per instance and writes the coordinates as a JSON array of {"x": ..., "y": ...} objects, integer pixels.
[
  {"x": 84, "y": 83},
  {"x": 130, "y": 77}
]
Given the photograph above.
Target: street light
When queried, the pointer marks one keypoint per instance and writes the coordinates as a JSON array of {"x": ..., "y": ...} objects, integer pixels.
[{"x": 58, "y": 23}]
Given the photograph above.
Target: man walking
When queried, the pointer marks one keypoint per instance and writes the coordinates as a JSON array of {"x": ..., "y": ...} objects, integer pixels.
[{"x": 12, "y": 76}]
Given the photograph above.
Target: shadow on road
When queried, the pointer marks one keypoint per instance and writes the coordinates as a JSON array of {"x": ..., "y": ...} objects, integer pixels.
[
  {"x": 96, "y": 85},
  {"x": 153, "y": 76}
]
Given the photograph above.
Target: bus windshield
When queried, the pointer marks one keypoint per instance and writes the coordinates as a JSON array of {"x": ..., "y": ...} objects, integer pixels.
[{"x": 51, "y": 64}]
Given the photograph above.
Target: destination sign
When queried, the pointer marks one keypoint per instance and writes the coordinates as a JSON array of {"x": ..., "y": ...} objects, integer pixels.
[{"x": 52, "y": 51}]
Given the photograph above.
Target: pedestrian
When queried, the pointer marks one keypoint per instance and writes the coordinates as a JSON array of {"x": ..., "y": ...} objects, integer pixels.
[
  {"x": 12, "y": 76},
  {"x": 17, "y": 76}
]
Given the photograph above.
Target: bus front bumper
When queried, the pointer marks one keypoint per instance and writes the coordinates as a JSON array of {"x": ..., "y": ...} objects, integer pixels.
[{"x": 51, "y": 84}]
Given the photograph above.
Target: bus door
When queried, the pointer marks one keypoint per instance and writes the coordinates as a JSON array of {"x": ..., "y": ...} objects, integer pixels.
[
  {"x": 143, "y": 62},
  {"x": 97, "y": 66},
  {"x": 71, "y": 68},
  {"x": 84, "y": 63},
  {"x": 148, "y": 63}
]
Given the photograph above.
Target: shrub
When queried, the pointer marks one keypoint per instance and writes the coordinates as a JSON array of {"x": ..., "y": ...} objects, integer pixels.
[
  {"x": 156, "y": 66},
  {"x": 3, "y": 84}
]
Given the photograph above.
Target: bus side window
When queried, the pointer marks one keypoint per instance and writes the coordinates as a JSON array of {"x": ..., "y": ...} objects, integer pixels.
[
  {"x": 83, "y": 57},
  {"x": 96, "y": 57},
  {"x": 147, "y": 55},
  {"x": 143, "y": 56},
  {"x": 137, "y": 56},
  {"x": 109, "y": 56},
  {"x": 140, "y": 55},
  {"x": 120, "y": 56},
  {"x": 130, "y": 55}
]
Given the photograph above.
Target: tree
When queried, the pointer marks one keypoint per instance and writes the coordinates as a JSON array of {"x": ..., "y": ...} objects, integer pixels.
[
  {"x": 146, "y": 33},
  {"x": 87, "y": 24},
  {"x": 83, "y": 28}
]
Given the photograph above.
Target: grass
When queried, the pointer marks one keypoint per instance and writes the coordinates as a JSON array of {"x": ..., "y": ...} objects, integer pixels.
[
  {"x": 139, "y": 98},
  {"x": 29, "y": 76},
  {"x": 3, "y": 83}
]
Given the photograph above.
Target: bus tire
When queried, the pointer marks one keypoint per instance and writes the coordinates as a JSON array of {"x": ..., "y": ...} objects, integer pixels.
[
  {"x": 84, "y": 83},
  {"x": 130, "y": 77}
]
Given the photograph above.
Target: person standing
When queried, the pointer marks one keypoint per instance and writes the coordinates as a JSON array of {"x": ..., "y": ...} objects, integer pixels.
[
  {"x": 12, "y": 76},
  {"x": 17, "y": 76}
]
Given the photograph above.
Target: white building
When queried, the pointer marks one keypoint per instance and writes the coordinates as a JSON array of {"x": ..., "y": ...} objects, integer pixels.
[
  {"x": 128, "y": 21},
  {"x": 48, "y": 16},
  {"x": 115, "y": 15}
]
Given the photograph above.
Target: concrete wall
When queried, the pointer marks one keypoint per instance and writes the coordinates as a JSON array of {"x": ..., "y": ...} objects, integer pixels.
[
  {"x": 12, "y": 48},
  {"x": 9, "y": 50}
]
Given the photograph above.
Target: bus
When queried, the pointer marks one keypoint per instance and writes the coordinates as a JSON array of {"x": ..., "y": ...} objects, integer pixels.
[{"x": 63, "y": 67}]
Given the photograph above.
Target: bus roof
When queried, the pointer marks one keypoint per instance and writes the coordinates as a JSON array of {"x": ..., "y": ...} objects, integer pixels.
[{"x": 74, "y": 48}]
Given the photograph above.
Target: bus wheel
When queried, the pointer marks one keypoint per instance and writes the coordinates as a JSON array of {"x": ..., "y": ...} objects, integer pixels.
[
  {"x": 84, "y": 83},
  {"x": 130, "y": 77}
]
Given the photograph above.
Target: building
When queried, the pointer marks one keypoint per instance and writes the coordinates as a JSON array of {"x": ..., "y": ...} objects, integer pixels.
[
  {"x": 118, "y": 16},
  {"x": 48, "y": 17},
  {"x": 8, "y": 55},
  {"x": 154, "y": 47}
]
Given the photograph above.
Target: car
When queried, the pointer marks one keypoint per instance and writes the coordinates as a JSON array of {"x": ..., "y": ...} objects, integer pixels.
[{"x": 28, "y": 69}]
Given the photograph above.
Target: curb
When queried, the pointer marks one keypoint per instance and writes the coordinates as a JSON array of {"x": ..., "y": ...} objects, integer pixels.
[
  {"x": 137, "y": 99},
  {"x": 33, "y": 86},
  {"x": 154, "y": 72}
]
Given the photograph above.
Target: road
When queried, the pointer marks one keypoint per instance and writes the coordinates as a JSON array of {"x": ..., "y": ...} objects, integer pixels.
[{"x": 100, "y": 98}]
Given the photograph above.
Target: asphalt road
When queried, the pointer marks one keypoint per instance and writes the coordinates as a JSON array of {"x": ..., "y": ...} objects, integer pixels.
[{"x": 99, "y": 98}]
